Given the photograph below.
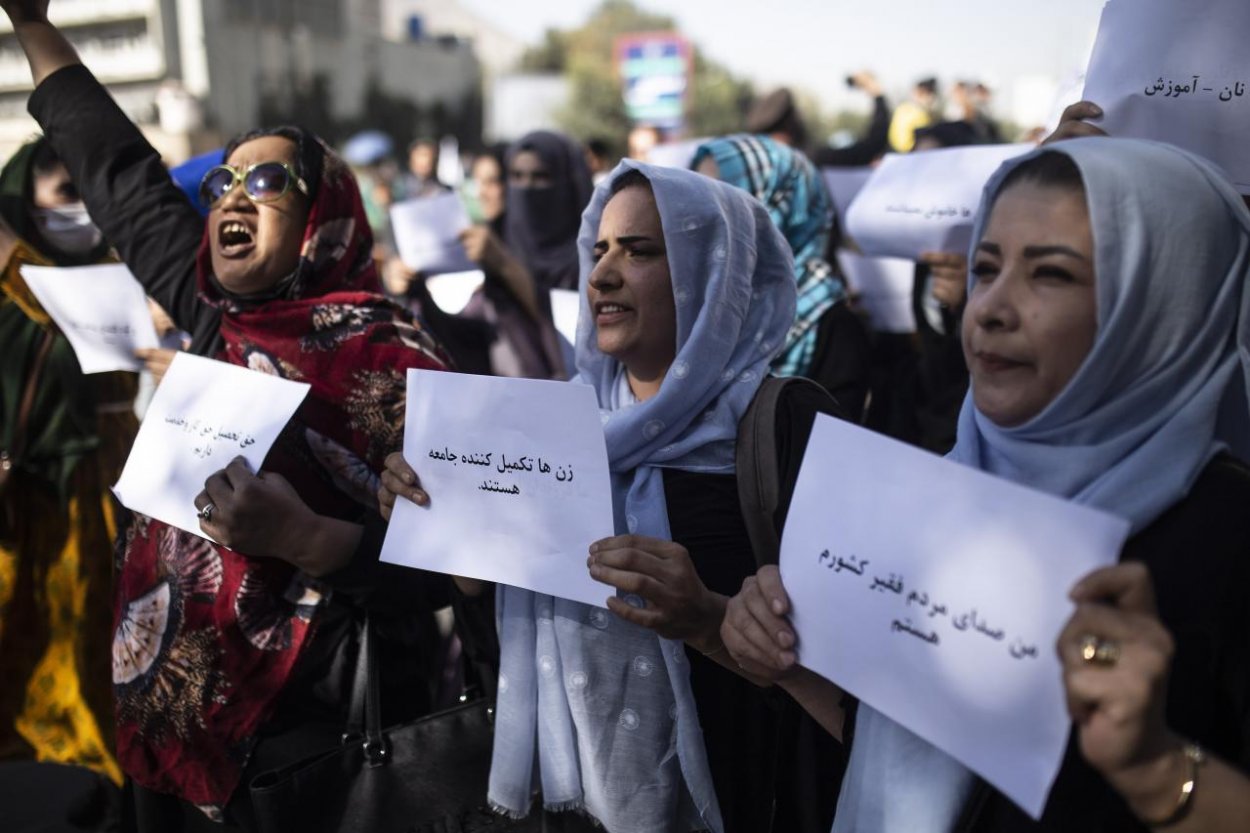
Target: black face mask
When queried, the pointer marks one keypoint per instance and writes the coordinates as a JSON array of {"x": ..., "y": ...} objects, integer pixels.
[{"x": 544, "y": 210}]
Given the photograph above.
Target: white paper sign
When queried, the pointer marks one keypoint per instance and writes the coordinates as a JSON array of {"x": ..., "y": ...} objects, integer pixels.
[
  {"x": 566, "y": 306},
  {"x": 882, "y": 286},
  {"x": 204, "y": 414},
  {"x": 924, "y": 202},
  {"x": 517, "y": 473},
  {"x": 453, "y": 290},
  {"x": 935, "y": 593},
  {"x": 101, "y": 310},
  {"x": 427, "y": 233},
  {"x": 1177, "y": 73},
  {"x": 843, "y": 185}
]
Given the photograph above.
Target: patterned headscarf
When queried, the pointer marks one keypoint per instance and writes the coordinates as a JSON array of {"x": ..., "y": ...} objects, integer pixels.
[
  {"x": 206, "y": 638},
  {"x": 604, "y": 706},
  {"x": 788, "y": 185}
]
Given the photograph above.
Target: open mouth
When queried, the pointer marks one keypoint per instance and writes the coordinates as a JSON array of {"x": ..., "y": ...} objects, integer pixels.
[{"x": 234, "y": 238}]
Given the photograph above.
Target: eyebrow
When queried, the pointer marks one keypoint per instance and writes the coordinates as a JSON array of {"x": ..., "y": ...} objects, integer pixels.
[
  {"x": 626, "y": 241},
  {"x": 1033, "y": 252}
]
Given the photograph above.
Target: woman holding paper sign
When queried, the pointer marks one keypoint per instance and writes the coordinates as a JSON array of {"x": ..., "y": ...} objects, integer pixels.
[
  {"x": 64, "y": 438},
  {"x": 634, "y": 716},
  {"x": 243, "y": 672},
  {"x": 1093, "y": 381}
]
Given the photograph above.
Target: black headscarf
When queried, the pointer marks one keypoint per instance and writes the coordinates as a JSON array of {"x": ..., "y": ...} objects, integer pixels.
[{"x": 542, "y": 223}]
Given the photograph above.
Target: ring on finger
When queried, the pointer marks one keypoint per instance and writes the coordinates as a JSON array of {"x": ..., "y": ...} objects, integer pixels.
[
  {"x": 206, "y": 514},
  {"x": 1098, "y": 651}
]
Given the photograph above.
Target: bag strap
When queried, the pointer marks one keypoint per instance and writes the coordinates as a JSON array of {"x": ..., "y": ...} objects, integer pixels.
[
  {"x": 9, "y": 456},
  {"x": 759, "y": 473},
  {"x": 365, "y": 710}
]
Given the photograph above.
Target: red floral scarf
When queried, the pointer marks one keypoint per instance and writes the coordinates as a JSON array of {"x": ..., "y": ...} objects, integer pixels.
[{"x": 206, "y": 638}]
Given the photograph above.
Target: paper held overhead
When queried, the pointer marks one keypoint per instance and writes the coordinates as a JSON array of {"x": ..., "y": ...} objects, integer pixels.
[
  {"x": 101, "y": 310},
  {"x": 1176, "y": 73},
  {"x": 427, "y": 233},
  {"x": 517, "y": 474},
  {"x": 947, "y": 621},
  {"x": 925, "y": 201},
  {"x": 204, "y": 414}
]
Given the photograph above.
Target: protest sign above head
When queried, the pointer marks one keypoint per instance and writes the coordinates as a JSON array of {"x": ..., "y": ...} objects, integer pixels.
[
  {"x": 924, "y": 201},
  {"x": 101, "y": 310},
  {"x": 1177, "y": 73}
]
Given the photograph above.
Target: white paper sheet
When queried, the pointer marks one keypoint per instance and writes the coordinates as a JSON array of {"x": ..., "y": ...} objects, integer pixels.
[
  {"x": 101, "y": 310},
  {"x": 204, "y": 414},
  {"x": 566, "y": 306},
  {"x": 935, "y": 593},
  {"x": 427, "y": 233},
  {"x": 1177, "y": 73},
  {"x": 843, "y": 185},
  {"x": 517, "y": 473},
  {"x": 453, "y": 291},
  {"x": 924, "y": 202},
  {"x": 882, "y": 286},
  {"x": 675, "y": 154}
]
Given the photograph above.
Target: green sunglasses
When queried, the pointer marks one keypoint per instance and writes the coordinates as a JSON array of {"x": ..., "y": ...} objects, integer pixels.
[{"x": 262, "y": 182}]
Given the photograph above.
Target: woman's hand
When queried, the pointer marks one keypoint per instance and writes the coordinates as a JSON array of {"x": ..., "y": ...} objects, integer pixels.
[
  {"x": 949, "y": 271},
  {"x": 756, "y": 631},
  {"x": 156, "y": 360},
  {"x": 483, "y": 247},
  {"x": 399, "y": 480},
  {"x": 1117, "y": 697},
  {"x": 261, "y": 515},
  {"x": 1072, "y": 124},
  {"x": 679, "y": 606}
]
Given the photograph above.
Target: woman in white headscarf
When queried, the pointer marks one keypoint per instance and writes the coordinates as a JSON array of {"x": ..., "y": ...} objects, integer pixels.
[
  {"x": 1107, "y": 335},
  {"x": 631, "y": 715}
]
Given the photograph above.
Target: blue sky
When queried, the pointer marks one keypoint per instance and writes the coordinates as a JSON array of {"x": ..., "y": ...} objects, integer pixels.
[{"x": 815, "y": 43}]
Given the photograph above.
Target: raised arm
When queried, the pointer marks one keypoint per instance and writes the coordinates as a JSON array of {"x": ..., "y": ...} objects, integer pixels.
[{"x": 126, "y": 188}]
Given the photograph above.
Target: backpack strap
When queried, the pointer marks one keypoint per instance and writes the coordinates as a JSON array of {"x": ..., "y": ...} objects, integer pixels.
[{"x": 771, "y": 438}]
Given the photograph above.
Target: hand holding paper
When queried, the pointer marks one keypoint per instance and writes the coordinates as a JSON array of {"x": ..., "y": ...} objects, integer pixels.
[
  {"x": 935, "y": 593},
  {"x": 516, "y": 472},
  {"x": 204, "y": 414},
  {"x": 101, "y": 310}
]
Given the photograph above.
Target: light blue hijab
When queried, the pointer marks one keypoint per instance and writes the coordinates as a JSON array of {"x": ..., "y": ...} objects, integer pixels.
[
  {"x": 1162, "y": 391},
  {"x": 602, "y": 706}
]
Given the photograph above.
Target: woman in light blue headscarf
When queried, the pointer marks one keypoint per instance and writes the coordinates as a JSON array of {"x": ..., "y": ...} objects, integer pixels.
[
  {"x": 631, "y": 715},
  {"x": 1108, "y": 339},
  {"x": 827, "y": 342}
]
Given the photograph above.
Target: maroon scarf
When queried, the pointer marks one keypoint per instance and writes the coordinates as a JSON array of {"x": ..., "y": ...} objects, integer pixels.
[{"x": 206, "y": 638}]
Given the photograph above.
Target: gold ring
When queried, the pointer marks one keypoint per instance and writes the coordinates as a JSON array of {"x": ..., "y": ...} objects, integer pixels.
[{"x": 1099, "y": 651}]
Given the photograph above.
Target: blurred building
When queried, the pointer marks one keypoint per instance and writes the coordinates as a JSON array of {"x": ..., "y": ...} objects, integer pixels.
[
  {"x": 498, "y": 51},
  {"x": 194, "y": 72}
]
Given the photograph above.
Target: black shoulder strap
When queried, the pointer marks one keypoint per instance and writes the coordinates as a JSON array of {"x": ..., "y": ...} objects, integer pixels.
[{"x": 783, "y": 408}]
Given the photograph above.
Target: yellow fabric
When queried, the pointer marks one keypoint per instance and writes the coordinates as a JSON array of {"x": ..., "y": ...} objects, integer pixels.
[
  {"x": 14, "y": 287},
  {"x": 908, "y": 118},
  {"x": 56, "y": 720}
]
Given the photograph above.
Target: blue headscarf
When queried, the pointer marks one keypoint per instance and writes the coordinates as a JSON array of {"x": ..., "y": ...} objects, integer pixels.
[
  {"x": 1162, "y": 391},
  {"x": 607, "y": 703},
  {"x": 786, "y": 182}
]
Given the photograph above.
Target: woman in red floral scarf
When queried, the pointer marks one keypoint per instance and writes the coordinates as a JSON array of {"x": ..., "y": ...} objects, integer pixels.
[{"x": 230, "y": 660}]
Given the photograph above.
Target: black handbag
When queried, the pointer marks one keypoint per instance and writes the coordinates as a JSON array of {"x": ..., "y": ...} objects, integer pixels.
[{"x": 426, "y": 776}]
